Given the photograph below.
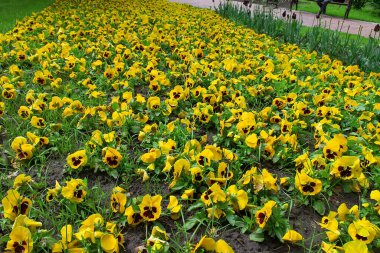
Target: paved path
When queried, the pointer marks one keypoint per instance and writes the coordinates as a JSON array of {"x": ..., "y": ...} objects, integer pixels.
[{"x": 307, "y": 19}]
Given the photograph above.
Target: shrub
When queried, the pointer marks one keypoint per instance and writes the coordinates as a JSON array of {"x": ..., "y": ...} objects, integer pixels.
[{"x": 358, "y": 4}]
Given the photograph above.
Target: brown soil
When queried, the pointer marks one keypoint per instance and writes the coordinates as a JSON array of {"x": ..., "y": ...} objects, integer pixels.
[{"x": 242, "y": 244}]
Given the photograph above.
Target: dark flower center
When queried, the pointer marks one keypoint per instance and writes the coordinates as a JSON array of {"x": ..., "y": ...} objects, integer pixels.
[
  {"x": 362, "y": 238},
  {"x": 15, "y": 209},
  {"x": 201, "y": 161},
  {"x": 330, "y": 154},
  {"x": 198, "y": 177},
  {"x": 112, "y": 161},
  {"x": 22, "y": 155},
  {"x": 8, "y": 94},
  {"x": 19, "y": 248},
  {"x": 308, "y": 187},
  {"x": 76, "y": 160},
  {"x": 24, "y": 207},
  {"x": 261, "y": 217},
  {"x": 176, "y": 95},
  {"x": 136, "y": 217},
  {"x": 40, "y": 123},
  {"x": 115, "y": 204},
  {"x": 78, "y": 194},
  {"x": 149, "y": 212},
  {"x": 24, "y": 114},
  {"x": 40, "y": 80},
  {"x": 344, "y": 171}
]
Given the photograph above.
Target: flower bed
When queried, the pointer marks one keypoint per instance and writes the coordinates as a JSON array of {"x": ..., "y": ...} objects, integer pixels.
[{"x": 126, "y": 116}]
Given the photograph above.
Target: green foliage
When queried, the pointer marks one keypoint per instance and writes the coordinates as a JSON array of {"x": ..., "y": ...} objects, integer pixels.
[
  {"x": 376, "y": 4},
  {"x": 358, "y": 4},
  {"x": 351, "y": 49},
  {"x": 368, "y": 13}
]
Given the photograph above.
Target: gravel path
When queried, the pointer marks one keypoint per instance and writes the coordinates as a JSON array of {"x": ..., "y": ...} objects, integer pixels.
[{"x": 307, "y": 19}]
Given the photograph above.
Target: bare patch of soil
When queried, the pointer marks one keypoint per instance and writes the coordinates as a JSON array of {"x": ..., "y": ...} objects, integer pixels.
[
  {"x": 340, "y": 197},
  {"x": 54, "y": 170},
  {"x": 305, "y": 220},
  {"x": 138, "y": 188},
  {"x": 242, "y": 244},
  {"x": 134, "y": 237}
]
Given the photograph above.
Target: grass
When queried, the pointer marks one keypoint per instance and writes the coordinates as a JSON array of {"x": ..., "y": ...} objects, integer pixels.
[
  {"x": 367, "y": 13},
  {"x": 13, "y": 10},
  {"x": 342, "y": 35}
]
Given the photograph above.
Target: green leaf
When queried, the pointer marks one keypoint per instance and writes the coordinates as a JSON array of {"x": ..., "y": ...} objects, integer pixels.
[
  {"x": 195, "y": 206},
  {"x": 115, "y": 106},
  {"x": 277, "y": 157},
  {"x": 241, "y": 224},
  {"x": 257, "y": 236},
  {"x": 178, "y": 186},
  {"x": 279, "y": 235},
  {"x": 346, "y": 187},
  {"x": 319, "y": 207},
  {"x": 360, "y": 108},
  {"x": 190, "y": 223},
  {"x": 4, "y": 239},
  {"x": 113, "y": 173},
  {"x": 135, "y": 129},
  {"x": 231, "y": 219},
  {"x": 214, "y": 119}
]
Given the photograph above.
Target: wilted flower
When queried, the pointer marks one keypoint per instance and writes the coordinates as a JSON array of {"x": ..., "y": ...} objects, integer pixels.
[
  {"x": 20, "y": 180},
  {"x": 53, "y": 193},
  {"x": 23, "y": 221},
  {"x": 262, "y": 216},
  {"x": 67, "y": 242},
  {"x": 292, "y": 236},
  {"x": 343, "y": 212}
]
